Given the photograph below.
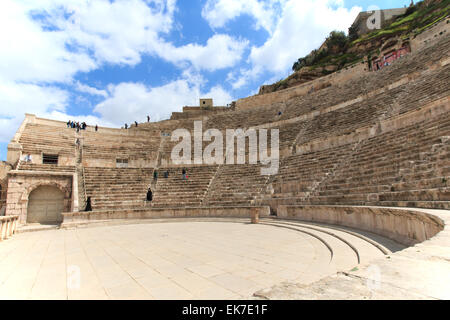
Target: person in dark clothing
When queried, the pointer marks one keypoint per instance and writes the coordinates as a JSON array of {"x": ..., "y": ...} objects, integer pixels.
[
  {"x": 148, "y": 118},
  {"x": 126, "y": 126},
  {"x": 88, "y": 204},
  {"x": 68, "y": 124},
  {"x": 149, "y": 195},
  {"x": 184, "y": 174},
  {"x": 155, "y": 175},
  {"x": 136, "y": 123},
  {"x": 279, "y": 113},
  {"x": 166, "y": 174},
  {"x": 96, "y": 128}
]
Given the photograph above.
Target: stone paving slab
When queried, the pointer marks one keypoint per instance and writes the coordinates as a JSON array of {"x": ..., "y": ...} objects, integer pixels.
[{"x": 184, "y": 260}]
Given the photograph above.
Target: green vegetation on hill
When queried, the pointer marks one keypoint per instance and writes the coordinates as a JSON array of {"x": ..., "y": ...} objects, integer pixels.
[
  {"x": 340, "y": 51},
  {"x": 416, "y": 19}
]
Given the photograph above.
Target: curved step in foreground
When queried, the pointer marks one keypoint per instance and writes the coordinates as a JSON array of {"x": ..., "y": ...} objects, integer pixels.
[
  {"x": 367, "y": 246},
  {"x": 348, "y": 248}
]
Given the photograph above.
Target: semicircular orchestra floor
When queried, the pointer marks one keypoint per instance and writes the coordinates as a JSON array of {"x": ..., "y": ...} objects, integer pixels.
[{"x": 180, "y": 260}]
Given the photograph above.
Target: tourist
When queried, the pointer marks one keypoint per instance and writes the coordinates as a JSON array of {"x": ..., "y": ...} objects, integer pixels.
[
  {"x": 166, "y": 174},
  {"x": 155, "y": 175},
  {"x": 280, "y": 113},
  {"x": 184, "y": 174},
  {"x": 27, "y": 158},
  {"x": 136, "y": 123},
  {"x": 88, "y": 204},
  {"x": 68, "y": 124},
  {"x": 148, "y": 118},
  {"x": 96, "y": 128},
  {"x": 126, "y": 126},
  {"x": 149, "y": 195}
]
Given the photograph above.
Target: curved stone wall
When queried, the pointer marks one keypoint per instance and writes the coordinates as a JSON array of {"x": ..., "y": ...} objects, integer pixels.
[{"x": 406, "y": 226}]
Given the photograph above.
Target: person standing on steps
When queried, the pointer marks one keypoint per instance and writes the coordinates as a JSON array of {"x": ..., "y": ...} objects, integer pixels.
[
  {"x": 96, "y": 128},
  {"x": 126, "y": 126},
  {"x": 88, "y": 204},
  {"x": 148, "y": 118},
  {"x": 149, "y": 195},
  {"x": 166, "y": 174},
  {"x": 155, "y": 175},
  {"x": 136, "y": 123},
  {"x": 184, "y": 174}
]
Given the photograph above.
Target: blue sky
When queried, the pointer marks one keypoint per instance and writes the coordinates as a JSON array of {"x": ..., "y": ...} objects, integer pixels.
[{"x": 109, "y": 62}]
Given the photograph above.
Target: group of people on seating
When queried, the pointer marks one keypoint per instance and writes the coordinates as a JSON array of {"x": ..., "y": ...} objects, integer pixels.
[{"x": 76, "y": 125}]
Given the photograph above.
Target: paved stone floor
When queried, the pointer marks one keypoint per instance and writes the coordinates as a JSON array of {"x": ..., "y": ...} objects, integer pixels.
[{"x": 179, "y": 260}]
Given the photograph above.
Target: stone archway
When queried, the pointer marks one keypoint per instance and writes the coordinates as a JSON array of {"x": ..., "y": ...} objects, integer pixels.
[{"x": 45, "y": 205}]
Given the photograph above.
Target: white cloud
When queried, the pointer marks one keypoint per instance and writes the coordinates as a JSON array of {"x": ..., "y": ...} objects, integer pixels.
[
  {"x": 301, "y": 27},
  {"x": 46, "y": 43},
  {"x": 90, "y": 90},
  {"x": 131, "y": 102},
  {"x": 221, "y": 51},
  {"x": 18, "y": 99},
  {"x": 29, "y": 54},
  {"x": 219, "y": 12}
]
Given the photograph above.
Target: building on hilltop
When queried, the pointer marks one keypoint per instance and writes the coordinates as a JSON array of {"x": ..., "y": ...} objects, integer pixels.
[{"x": 368, "y": 21}]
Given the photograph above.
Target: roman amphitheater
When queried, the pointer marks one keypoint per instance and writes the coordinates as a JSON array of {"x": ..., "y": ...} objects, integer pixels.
[{"x": 357, "y": 210}]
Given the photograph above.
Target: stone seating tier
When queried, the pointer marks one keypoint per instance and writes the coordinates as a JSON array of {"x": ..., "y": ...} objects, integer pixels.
[
  {"x": 116, "y": 188},
  {"x": 46, "y": 167},
  {"x": 38, "y": 138},
  {"x": 176, "y": 192}
]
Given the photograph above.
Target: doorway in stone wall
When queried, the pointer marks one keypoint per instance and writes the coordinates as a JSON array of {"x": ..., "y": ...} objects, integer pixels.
[{"x": 45, "y": 205}]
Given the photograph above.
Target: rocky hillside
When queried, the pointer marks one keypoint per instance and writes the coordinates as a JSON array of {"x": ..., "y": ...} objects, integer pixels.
[{"x": 341, "y": 50}]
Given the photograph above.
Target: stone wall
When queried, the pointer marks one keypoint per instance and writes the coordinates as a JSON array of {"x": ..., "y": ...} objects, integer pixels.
[
  {"x": 303, "y": 89},
  {"x": 197, "y": 112},
  {"x": 369, "y": 21},
  {"x": 4, "y": 169},
  {"x": 74, "y": 218},
  {"x": 435, "y": 33},
  {"x": 22, "y": 183},
  {"x": 406, "y": 226}
]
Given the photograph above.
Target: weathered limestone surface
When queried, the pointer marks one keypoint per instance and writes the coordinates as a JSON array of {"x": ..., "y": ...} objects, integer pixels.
[
  {"x": 22, "y": 183},
  {"x": 405, "y": 226},
  {"x": 419, "y": 272},
  {"x": 73, "y": 218}
]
